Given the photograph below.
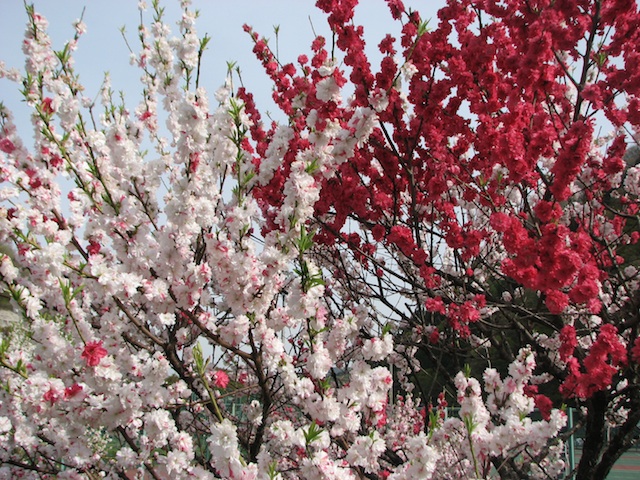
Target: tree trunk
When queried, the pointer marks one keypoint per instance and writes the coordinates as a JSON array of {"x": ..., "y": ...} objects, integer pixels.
[
  {"x": 594, "y": 438},
  {"x": 621, "y": 441}
]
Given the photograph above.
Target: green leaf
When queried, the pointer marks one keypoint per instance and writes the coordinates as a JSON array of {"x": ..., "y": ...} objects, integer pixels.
[
  {"x": 324, "y": 384},
  {"x": 423, "y": 28},
  {"x": 305, "y": 241},
  {"x": 312, "y": 167},
  {"x": 273, "y": 471},
  {"x": 204, "y": 41},
  {"x": 198, "y": 358},
  {"x": 469, "y": 423},
  {"x": 4, "y": 347},
  {"x": 312, "y": 433}
]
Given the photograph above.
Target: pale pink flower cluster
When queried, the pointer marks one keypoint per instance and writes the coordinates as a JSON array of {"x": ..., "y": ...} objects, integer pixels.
[
  {"x": 500, "y": 426},
  {"x": 152, "y": 255}
]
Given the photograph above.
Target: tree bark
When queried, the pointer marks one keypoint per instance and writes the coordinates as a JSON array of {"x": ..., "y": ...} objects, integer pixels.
[{"x": 594, "y": 438}]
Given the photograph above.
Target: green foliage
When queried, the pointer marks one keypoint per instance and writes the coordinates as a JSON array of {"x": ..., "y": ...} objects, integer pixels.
[
  {"x": 68, "y": 291},
  {"x": 273, "y": 472},
  {"x": 312, "y": 433},
  {"x": 305, "y": 241},
  {"x": 312, "y": 167},
  {"x": 308, "y": 279},
  {"x": 201, "y": 363}
]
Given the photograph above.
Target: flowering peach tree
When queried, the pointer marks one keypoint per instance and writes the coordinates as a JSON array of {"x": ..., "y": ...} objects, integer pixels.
[{"x": 200, "y": 293}]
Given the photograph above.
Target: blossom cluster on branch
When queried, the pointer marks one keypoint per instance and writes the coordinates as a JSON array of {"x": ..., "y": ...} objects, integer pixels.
[{"x": 205, "y": 295}]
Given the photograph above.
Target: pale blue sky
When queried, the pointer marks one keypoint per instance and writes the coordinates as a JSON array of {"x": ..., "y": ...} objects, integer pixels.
[{"x": 102, "y": 47}]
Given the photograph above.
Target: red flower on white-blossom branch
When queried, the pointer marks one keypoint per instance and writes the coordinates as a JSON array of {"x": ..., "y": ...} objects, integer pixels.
[
  {"x": 47, "y": 106},
  {"x": 93, "y": 352},
  {"x": 220, "y": 379},
  {"x": 93, "y": 248},
  {"x": 7, "y": 145},
  {"x": 72, "y": 391},
  {"x": 51, "y": 396}
]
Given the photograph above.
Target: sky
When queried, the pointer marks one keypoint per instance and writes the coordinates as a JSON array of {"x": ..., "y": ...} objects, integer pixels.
[{"x": 103, "y": 48}]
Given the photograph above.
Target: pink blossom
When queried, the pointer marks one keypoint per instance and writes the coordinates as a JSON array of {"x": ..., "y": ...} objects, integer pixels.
[
  {"x": 7, "y": 146},
  {"x": 220, "y": 379}
]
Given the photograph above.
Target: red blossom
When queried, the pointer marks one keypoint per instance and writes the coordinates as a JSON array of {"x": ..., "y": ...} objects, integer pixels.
[
  {"x": 435, "y": 305},
  {"x": 575, "y": 146},
  {"x": 569, "y": 342},
  {"x": 51, "y": 396},
  {"x": 500, "y": 221},
  {"x": 386, "y": 45},
  {"x": 46, "y": 106},
  {"x": 434, "y": 336},
  {"x": 605, "y": 357},
  {"x": 93, "y": 352},
  {"x": 378, "y": 232},
  {"x": 146, "y": 115},
  {"x": 402, "y": 237},
  {"x": 56, "y": 161},
  {"x": 544, "y": 405},
  {"x": 396, "y": 7},
  {"x": 548, "y": 211},
  {"x": 72, "y": 391},
  {"x": 93, "y": 248},
  {"x": 556, "y": 301},
  {"x": 194, "y": 161}
]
